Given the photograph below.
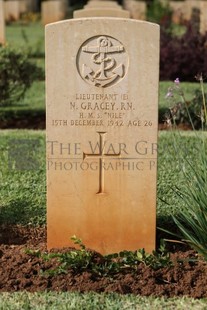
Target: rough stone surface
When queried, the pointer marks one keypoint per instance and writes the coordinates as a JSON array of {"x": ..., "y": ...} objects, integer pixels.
[
  {"x": 102, "y": 106},
  {"x": 53, "y": 11},
  {"x": 101, "y": 13},
  {"x": 203, "y": 17},
  {"x": 109, "y": 4},
  {"x": 136, "y": 8},
  {"x": 23, "y": 6},
  {"x": 12, "y": 10}
]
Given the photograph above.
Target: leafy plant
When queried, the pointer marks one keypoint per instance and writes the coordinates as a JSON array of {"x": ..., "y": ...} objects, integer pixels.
[
  {"x": 17, "y": 74},
  {"x": 182, "y": 111},
  {"x": 192, "y": 219},
  {"x": 98, "y": 265},
  {"x": 159, "y": 13},
  {"x": 183, "y": 55},
  {"x": 30, "y": 17}
]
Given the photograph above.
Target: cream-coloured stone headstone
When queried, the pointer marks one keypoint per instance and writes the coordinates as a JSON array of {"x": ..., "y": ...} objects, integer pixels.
[
  {"x": 33, "y": 5},
  {"x": 136, "y": 8},
  {"x": 12, "y": 10},
  {"x": 110, "y": 2},
  {"x": 101, "y": 13},
  {"x": 102, "y": 1},
  {"x": 52, "y": 11},
  {"x": 2, "y": 23},
  {"x": 98, "y": 4},
  {"x": 23, "y": 6},
  {"x": 203, "y": 17},
  {"x": 102, "y": 118}
]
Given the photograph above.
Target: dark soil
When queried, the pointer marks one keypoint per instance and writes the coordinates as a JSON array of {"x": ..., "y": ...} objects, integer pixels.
[
  {"x": 25, "y": 122},
  {"x": 21, "y": 271}
]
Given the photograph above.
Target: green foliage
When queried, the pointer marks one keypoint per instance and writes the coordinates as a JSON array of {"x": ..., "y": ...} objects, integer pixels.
[
  {"x": 183, "y": 111},
  {"x": 17, "y": 74},
  {"x": 108, "y": 265},
  {"x": 30, "y": 17},
  {"x": 34, "y": 50},
  {"x": 27, "y": 36},
  {"x": 159, "y": 13},
  {"x": 22, "y": 178},
  {"x": 192, "y": 218}
]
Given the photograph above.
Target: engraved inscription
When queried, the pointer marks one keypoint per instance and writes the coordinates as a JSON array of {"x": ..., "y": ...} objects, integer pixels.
[
  {"x": 106, "y": 110},
  {"x": 102, "y": 61},
  {"x": 103, "y": 110},
  {"x": 101, "y": 156}
]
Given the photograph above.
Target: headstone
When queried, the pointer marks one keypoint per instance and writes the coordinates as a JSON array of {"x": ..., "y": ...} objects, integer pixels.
[
  {"x": 12, "y": 10},
  {"x": 23, "y": 6},
  {"x": 101, "y": 13},
  {"x": 178, "y": 11},
  {"x": 191, "y": 5},
  {"x": 136, "y": 8},
  {"x": 53, "y": 11},
  {"x": 102, "y": 1},
  {"x": 2, "y": 23},
  {"x": 203, "y": 17},
  {"x": 102, "y": 118},
  {"x": 108, "y": 4},
  {"x": 33, "y": 5}
]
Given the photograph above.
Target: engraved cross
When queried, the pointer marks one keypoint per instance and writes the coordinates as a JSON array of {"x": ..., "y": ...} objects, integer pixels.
[{"x": 101, "y": 156}]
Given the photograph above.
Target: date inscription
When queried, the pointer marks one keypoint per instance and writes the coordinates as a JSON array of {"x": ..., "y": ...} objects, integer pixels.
[{"x": 102, "y": 110}]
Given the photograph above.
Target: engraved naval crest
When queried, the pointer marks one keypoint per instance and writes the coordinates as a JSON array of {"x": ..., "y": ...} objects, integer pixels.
[{"x": 102, "y": 61}]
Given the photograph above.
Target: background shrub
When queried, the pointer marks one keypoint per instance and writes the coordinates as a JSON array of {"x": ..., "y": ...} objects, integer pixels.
[
  {"x": 160, "y": 13},
  {"x": 17, "y": 73},
  {"x": 183, "y": 56}
]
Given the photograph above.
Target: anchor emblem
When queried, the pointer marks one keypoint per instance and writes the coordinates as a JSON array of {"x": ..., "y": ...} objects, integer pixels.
[{"x": 104, "y": 69}]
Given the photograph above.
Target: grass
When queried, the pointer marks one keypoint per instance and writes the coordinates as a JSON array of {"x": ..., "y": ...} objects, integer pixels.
[
  {"x": 188, "y": 88},
  {"x": 169, "y": 172},
  {"x": 92, "y": 301},
  {"x": 23, "y": 187},
  {"x": 22, "y": 177},
  {"x": 26, "y": 36},
  {"x": 30, "y": 37}
]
